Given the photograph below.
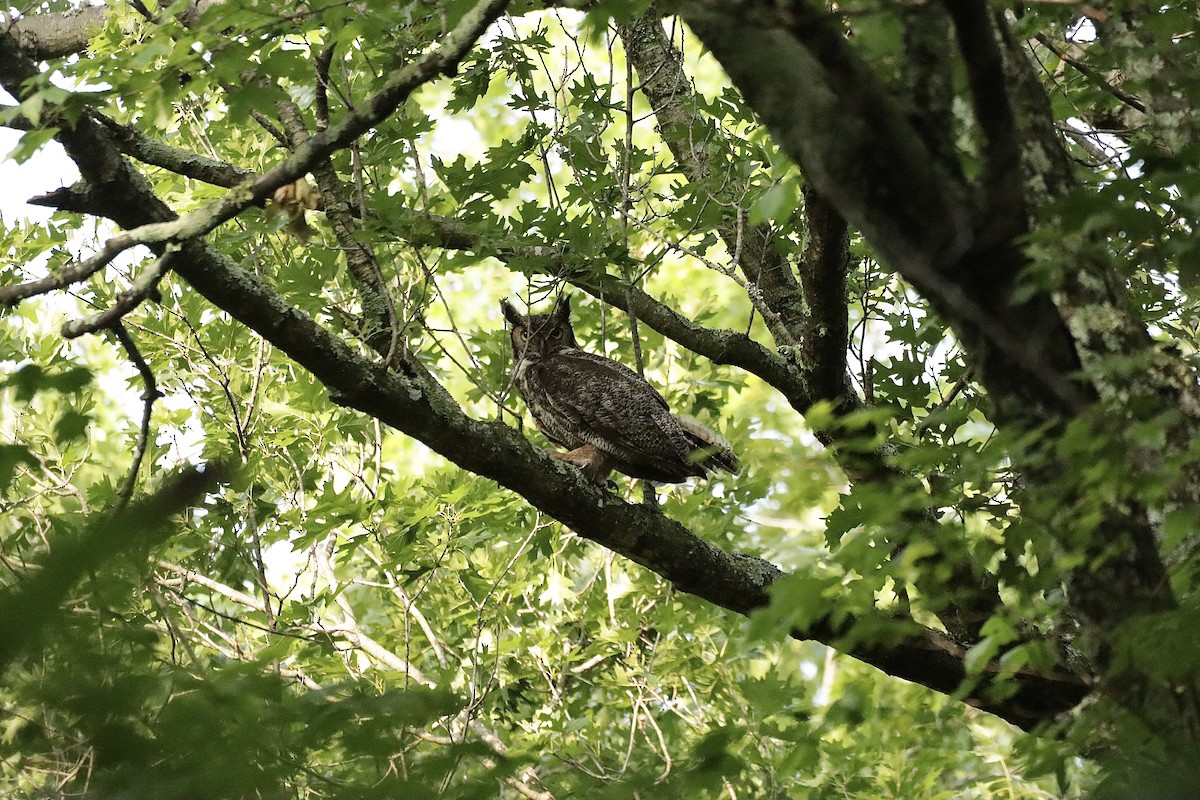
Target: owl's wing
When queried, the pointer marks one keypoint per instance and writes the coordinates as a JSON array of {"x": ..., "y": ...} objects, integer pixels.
[{"x": 612, "y": 407}]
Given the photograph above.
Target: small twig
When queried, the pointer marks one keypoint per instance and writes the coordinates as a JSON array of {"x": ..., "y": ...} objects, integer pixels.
[
  {"x": 140, "y": 7},
  {"x": 260, "y": 565},
  {"x": 626, "y": 202},
  {"x": 191, "y": 576},
  {"x": 11, "y": 295},
  {"x": 779, "y": 330},
  {"x": 958, "y": 386},
  {"x": 269, "y": 126},
  {"x": 380, "y": 322},
  {"x": 150, "y": 393},
  {"x": 1092, "y": 76},
  {"x": 348, "y": 629},
  {"x": 234, "y": 618},
  {"x": 142, "y": 288},
  {"x": 324, "y": 59}
]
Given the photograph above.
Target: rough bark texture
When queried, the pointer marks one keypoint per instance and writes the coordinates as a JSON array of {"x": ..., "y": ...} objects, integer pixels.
[
  {"x": 54, "y": 35},
  {"x": 801, "y": 76},
  {"x": 810, "y": 304},
  {"x": 956, "y": 242}
]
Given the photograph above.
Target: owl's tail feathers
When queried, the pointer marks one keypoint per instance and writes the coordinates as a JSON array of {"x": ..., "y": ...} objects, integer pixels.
[{"x": 713, "y": 451}]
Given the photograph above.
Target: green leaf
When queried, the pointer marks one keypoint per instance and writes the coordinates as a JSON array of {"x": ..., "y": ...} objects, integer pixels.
[
  {"x": 31, "y": 142},
  {"x": 13, "y": 456},
  {"x": 777, "y": 204},
  {"x": 31, "y": 108},
  {"x": 71, "y": 426},
  {"x": 30, "y": 379}
]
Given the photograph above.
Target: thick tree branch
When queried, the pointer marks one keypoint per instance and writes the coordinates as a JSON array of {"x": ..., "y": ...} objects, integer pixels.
[
  {"x": 380, "y": 324},
  {"x": 1092, "y": 296},
  {"x": 54, "y": 35},
  {"x": 800, "y": 75},
  {"x": 929, "y": 80},
  {"x": 823, "y": 268},
  {"x": 1003, "y": 203},
  {"x": 702, "y": 154},
  {"x": 57, "y": 34},
  {"x": 11, "y": 295},
  {"x": 138, "y": 145},
  {"x": 828, "y": 110}
]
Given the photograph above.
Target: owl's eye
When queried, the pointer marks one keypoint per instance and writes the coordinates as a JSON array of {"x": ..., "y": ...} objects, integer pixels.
[
  {"x": 556, "y": 333},
  {"x": 520, "y": 336}
]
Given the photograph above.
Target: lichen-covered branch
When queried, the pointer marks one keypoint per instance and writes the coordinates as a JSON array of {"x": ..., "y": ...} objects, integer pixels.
[
  {"x": 397, "y": 87},
  {"x": 702, "y": 154},
  {"x": 823, "y": 268},
  {"x": 138, "y": 145},
  {"x": 856, "y": 145},
  {"x": 11, "y": 295},
  {"x": 143, "y": 287},
  {"x": 54, "y": 35},
  {"x": 380, "y": 324}
]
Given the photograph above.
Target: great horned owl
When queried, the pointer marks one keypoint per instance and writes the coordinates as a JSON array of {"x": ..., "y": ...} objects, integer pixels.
[{"x": 602, "y": 411}]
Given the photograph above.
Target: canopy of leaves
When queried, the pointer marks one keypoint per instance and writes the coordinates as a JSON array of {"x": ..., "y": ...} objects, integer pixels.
[{"x": 275, "y": 522}]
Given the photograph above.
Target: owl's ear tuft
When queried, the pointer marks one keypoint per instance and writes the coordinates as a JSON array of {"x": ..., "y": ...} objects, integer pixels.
[
  {"x": 511, "y": 314},
  {"x": 562, "y": 309}
]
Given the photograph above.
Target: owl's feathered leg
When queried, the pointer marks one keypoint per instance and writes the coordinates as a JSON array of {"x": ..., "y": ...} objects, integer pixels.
[{"x": 591, "y": 460}]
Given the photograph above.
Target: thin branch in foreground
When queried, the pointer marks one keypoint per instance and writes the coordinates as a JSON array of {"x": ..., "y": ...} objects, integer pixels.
[
  {"x": 149, "y": 395},
  {"x": 1093, "y": 77},
  {"x": 31, "y": 606},
  {"x": 11, "y": 295},
  {"x": 144, "y": 287}
]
